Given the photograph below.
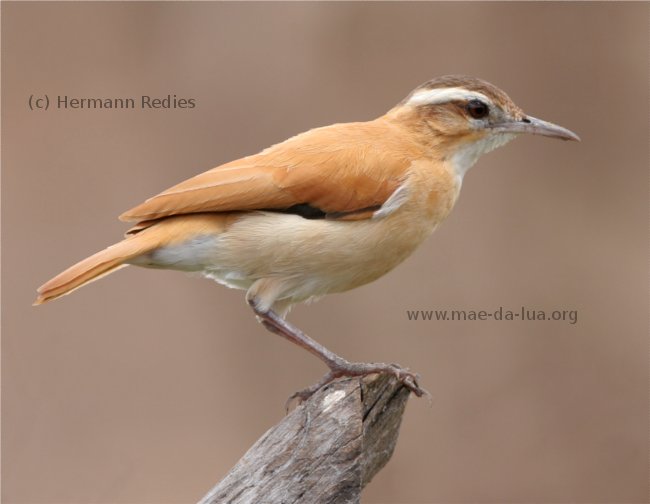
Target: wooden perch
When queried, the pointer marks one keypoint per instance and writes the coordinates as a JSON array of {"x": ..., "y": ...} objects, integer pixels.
[{"x": 325, "y": 451}]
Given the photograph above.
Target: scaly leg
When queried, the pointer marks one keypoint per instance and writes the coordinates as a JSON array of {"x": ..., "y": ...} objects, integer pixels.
[{"x": 338, "y": 366}]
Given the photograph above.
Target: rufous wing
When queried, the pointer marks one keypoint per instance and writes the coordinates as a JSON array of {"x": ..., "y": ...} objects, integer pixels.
[{"x": 343, "y": 171}]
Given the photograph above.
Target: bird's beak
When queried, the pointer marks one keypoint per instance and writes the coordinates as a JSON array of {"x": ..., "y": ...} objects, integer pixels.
[{"x": 528, "y": 124}]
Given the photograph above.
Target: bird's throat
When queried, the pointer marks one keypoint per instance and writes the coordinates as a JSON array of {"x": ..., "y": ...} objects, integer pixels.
[{"x": 468, "y": 153}]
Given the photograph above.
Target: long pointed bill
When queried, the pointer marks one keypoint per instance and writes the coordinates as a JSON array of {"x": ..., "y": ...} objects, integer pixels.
[{"x": 536, "y": 126}]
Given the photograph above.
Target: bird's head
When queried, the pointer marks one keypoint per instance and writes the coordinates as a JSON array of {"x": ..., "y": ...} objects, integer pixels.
[{"x": 467, "y": 117}]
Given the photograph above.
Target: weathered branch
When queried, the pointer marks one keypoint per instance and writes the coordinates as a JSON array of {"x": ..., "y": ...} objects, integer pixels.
[{"x": 325, "y": 451}]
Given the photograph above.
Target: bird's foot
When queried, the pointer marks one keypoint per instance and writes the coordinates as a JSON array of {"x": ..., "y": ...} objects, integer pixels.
[{"x": 344, "y": 368}]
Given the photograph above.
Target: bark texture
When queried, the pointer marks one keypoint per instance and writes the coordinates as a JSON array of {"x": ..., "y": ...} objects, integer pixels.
[{"x": 325, "y": 451}]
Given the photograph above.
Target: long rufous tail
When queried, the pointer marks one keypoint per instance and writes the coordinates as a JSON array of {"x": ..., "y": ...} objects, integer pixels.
[
  {"x": 142, "y": 238},
  {"x": 92, "y": 268}
]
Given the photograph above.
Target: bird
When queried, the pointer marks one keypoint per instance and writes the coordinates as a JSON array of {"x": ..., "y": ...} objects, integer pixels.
[{"x": 325, "y": 211}]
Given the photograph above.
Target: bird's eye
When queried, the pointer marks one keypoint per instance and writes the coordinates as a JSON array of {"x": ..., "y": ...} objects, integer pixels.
[{"x": 477, "y": 109}]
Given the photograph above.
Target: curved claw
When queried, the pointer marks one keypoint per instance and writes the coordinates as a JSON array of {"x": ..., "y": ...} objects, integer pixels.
[
  {"x": 409, "y": 379},
  {"x": 302, "y": 395},
  {"x": 295, "y": 396},
  {"x": 403, "y": 375}
]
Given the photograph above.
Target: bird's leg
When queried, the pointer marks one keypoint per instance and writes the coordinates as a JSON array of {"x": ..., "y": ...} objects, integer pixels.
[{"x": 338, "y": 366}]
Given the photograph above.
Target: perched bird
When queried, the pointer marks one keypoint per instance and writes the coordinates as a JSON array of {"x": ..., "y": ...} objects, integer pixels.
[{"x": 324, "y": 211}]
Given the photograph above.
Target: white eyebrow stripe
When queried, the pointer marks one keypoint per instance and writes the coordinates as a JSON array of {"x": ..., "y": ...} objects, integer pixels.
[{"x": 444, "y": 95}]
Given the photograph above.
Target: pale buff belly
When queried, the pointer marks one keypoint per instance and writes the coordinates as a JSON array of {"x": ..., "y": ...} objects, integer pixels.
[{"x": 308, "y": 258}]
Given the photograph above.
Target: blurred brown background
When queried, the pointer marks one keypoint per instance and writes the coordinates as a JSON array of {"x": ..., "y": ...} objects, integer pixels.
[{"x": 147, "y": 386}]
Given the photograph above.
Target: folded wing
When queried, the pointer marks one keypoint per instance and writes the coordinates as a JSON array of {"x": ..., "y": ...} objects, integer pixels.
[{"x": 342, "y": 171}]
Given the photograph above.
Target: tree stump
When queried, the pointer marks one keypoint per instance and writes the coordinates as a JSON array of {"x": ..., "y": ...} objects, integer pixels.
[{"x": 325, "y": 451}]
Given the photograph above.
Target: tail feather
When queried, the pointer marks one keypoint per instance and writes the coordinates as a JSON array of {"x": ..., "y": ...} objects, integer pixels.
[
  {"x": 92, "y": 268},
  {"x": 143, "y": 238}
]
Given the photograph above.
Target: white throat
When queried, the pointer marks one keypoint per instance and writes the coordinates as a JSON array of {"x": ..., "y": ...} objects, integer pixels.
[{"x": 466, "y": 156}]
